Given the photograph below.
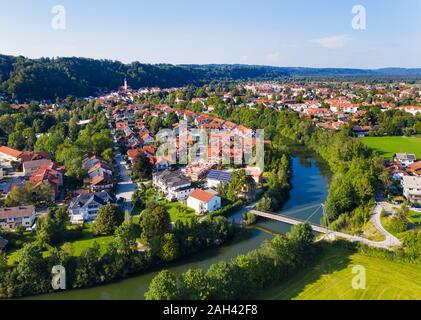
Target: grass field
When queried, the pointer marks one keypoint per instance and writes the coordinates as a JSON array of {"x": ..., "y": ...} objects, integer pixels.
[
  {"x": 389, "y": 146},
  {"x": 330, "y": 278}
]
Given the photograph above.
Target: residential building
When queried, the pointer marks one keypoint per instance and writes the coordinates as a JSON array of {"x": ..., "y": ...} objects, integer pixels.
[
  {"x": 412, "y": 188},
  {"x": 17, "y": 216},
  {"x": 100, "y": 173},
  {"x": 216, "y": 177},
  {"x": 32, "y": 156},
  {"x": 84, "y": 208},
  {"x": 51, "y": 174},
  {"x": 8, "y": 155},
  {"x": 197, "y": 171},
  {"x": 29, "y": 167},
  {"x": 405, "y": 159},
  {"x": 204, "y": 201},
  {"x": 415, "y": 168},
  {"x": 173, "y": 184}
]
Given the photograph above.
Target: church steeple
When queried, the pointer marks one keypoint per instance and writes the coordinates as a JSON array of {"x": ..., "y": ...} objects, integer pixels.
[{"x": 126, "y": 87}]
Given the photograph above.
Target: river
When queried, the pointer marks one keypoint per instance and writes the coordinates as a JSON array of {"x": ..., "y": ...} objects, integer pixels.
[{"x": 310, "y": 184}]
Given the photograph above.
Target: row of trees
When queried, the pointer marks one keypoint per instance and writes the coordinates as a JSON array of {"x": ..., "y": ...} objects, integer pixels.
[
  {"x": 244, "y": 275},
  {"x": 31, "y": 273}
]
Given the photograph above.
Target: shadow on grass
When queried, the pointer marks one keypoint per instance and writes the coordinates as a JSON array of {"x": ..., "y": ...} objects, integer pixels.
[{"x": 331, "y": 258}]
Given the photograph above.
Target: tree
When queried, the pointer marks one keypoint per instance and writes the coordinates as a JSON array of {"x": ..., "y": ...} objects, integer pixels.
[
  {"x": 155, "y": 221},
  {"x": 169, "y": 247},
  {"x": 52, "y": 228},
  {"x": 163, "y": 287},
  {"x": 142, "y": 167},
  {"x": 195, "y": 285},
  {"x": 125, "y": 239},
  {"x": 108, "y": 219},
  {"x": 137, "y": 200},
  {"x": 88, "y": 269}
]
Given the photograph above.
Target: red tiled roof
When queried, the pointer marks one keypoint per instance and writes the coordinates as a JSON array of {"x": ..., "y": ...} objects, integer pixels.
[
  {"x": 10, "y": 152},
  {"x": 202, "y": 195}
]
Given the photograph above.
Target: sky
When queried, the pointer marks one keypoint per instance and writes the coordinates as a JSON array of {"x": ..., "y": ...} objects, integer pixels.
[{"x": 306, "y": 33}]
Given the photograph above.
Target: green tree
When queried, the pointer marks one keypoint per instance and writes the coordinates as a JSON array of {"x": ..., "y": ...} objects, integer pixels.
[
  {"x": 142, "y": 167},
  {"x": 163, "y": 287},
  {"x": 155, "y": 221},
  {"x": 109, "y": 218},
  {"x": 169, "y": 247},
  {"x": 195, "y": 285}
]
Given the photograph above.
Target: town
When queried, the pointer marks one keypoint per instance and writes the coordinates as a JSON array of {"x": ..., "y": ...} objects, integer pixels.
[{"x": 153, "y": 175}]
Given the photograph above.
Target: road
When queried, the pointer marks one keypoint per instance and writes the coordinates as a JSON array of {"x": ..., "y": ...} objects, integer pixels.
[
  {"x": 390, "y": 239},
  {"x": 125, "y": 186}
]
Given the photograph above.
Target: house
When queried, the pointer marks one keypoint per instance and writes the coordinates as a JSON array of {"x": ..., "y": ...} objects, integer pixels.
[
  {"x": 51, "y": 174},
  {"x": 216, "y": 177},
  {"x": 204, "y": 201},
  {"x": 29, "y": 167},
  {"x": 3, "y": 244},
  {"x": 147, "y": 138},
  {"x": 197, "y": 171},
  {"x": 17, "y": 216},
  {"x": 415, "y": 168},
  {"x": 412, "y": 188},
  {"x": 173, "y": 184},
  {"x": 7, "y": 154},
  {"x": 405, "y": 159},
  {"x": 100, "y": 176},
  {"x": 84, "y": 208},
  {"x": 32, "y": 156}
]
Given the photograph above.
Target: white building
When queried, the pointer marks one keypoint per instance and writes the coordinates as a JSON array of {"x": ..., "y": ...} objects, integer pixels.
[
  {"x": 85, "y": 207},
  {"x": 405, "y": 158},
  {"x": 8, "y": 154},
  {"x": 173, "y": 184},
  {"x": 216, "y": 177},
  {"x": 412, "y": 188},
  {"x": 204, "y": 201},
  {"x": 17, "y": 216}
]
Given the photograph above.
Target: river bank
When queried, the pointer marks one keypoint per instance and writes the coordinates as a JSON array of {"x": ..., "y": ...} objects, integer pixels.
[{"x": 310, "y": 186}]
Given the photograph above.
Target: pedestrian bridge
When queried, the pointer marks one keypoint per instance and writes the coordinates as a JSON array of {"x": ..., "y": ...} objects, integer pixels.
[{"x": 288, "y": 220}]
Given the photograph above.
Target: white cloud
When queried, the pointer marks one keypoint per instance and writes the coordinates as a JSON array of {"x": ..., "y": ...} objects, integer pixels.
[{"x": 333, "y": 42}]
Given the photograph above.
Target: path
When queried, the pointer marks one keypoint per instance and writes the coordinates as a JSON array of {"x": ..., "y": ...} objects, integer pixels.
[{"x": 388, "y": 243}]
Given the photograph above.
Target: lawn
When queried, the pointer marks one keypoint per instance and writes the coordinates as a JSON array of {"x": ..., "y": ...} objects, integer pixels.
[
  {"x": 330, "y": 278},
  {"x": 176, "y": 210},
  {"x": 78, "y": 239},
  {"x": 80, "y": 245},
  {"x": 415, "y": 217},
  {"x": 389, "y": 146}
]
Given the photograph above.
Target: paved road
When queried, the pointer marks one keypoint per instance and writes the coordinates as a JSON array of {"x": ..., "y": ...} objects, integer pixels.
[
  {"x": 125, "y": 186},
  {"x": 390, "y": 240}
]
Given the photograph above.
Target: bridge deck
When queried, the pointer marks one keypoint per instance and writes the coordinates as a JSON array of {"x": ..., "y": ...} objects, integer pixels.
[{"x": 288, "y": 220}]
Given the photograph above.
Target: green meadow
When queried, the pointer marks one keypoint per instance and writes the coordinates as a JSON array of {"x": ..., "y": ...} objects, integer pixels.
[
  {"x": 387, "y": 147},
  {"x": 330, "y": 278}
]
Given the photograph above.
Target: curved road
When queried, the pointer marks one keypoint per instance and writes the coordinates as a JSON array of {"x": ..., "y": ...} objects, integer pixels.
[{"x": 390, "y": 240}]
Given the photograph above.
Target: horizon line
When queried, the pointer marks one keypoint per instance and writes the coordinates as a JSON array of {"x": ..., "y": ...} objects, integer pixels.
[{"x": 211, "y": 64}]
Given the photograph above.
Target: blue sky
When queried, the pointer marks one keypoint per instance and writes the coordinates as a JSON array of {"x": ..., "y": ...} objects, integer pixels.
[{"x": 314, "y": 33}]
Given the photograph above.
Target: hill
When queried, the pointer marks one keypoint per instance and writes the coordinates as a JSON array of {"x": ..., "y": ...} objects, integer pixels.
[{"x": 48, "y": 78}]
